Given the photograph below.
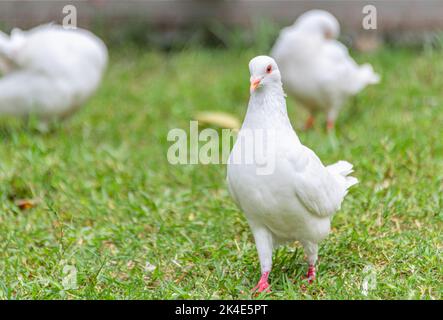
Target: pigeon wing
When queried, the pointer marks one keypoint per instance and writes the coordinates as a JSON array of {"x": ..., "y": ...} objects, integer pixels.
[{"x": 315, "y": 187}]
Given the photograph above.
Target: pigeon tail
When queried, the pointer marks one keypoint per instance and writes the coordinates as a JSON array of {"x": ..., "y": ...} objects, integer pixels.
[
  {"x": 364, "y": 76},
  {"x": 368, "y": 74},
  {"x": 343, "y": 169}
]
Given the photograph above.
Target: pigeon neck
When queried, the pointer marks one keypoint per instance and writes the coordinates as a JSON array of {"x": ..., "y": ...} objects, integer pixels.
[{"x": 267, "y": 108}]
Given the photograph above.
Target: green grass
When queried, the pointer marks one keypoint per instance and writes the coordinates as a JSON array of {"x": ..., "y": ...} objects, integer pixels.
[{"x": 112, "y": 206}]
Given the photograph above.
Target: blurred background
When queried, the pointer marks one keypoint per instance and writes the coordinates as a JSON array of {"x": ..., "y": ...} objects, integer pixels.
[{"x": 170, "y": 24}]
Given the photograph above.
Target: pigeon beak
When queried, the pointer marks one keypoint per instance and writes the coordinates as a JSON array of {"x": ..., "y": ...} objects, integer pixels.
[{"x": 255, "y": 82}]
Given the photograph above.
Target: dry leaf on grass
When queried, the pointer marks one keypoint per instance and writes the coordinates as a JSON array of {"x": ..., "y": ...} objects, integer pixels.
[
  {"x": 25, "y": 204},
  {"x": 219, "y": 119}
]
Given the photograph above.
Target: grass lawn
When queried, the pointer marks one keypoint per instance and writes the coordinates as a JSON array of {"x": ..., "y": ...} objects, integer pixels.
[{"x": 115, "y": 216}]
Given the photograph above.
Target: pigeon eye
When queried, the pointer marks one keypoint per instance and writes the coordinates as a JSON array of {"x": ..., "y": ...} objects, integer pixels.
[{"x": 268, "y": 69}]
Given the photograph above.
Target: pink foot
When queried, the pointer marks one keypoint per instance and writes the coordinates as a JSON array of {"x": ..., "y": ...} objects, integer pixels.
[
  {"x": 309, "y": 123},
  {"x": 263, "y": 284},
  {"x": 330, "y": 125},
  {"x": 311, "y": 274}
]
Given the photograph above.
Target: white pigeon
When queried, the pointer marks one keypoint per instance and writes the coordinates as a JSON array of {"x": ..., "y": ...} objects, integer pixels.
[
  {"x": 49, "y": 71},
  {"x": 316, "y": 68},
  {"x": 282, "y": 187}
]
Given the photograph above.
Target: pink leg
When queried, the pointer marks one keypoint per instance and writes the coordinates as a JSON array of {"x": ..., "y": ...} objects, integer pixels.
[
  {"x": 309, "y": 122},
  {"x": 263, "y": 284},
  {"x": 311, "y": 273},
  {"x": 330, "y": 124}
]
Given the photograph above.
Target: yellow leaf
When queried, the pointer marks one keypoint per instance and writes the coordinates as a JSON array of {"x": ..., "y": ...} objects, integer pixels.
[
  {"x": 219, "y": 119},
  {"x": 25, "y": 204}
]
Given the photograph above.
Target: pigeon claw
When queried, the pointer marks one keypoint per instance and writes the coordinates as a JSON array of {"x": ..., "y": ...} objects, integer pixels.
[
  {"x": 311, "y": 274},
  {"x": 263, "y": 285},
  {"x": 310, "y": 277}
]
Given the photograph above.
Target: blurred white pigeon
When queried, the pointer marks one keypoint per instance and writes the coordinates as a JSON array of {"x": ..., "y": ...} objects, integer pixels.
[
  {"x": 297, "y": 197},
  {"x": 49, "y": 71},
  {"x": 316, "y": 68}
]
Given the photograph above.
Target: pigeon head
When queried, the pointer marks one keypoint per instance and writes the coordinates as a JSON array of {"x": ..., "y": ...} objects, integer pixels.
[
  {"x": 264, "y": 73},
  {"x": 319, "y": 22}
]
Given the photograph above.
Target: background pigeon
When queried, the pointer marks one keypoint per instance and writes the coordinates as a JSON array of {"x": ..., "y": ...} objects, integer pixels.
[
  {"x": 316, "y": 68},
  {"x": 49, "y": 71}
]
